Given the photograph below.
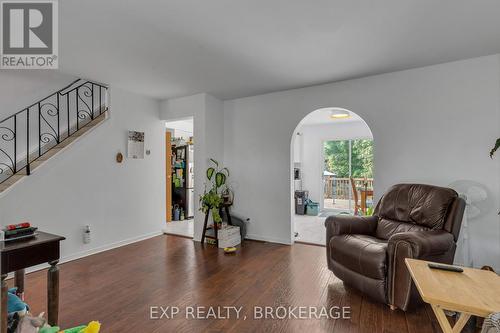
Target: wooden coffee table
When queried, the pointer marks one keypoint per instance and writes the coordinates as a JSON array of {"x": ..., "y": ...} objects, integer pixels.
[{"x": 472, "y": 292}]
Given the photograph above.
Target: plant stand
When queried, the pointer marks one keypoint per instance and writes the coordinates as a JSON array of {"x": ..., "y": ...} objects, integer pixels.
[{"x": 207, "y": 228}]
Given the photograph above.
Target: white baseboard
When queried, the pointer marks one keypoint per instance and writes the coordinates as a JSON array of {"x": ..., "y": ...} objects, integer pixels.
[
  {"x": 167, "y": 232},
  {"x": 268, "y": 239},
  {"x": 108, "y": 247},
  {"x": 259, "y": 238},
  {"x": 93, "y": 251}
]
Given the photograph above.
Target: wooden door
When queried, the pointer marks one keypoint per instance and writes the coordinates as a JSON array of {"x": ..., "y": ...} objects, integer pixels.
[{"x": 168, "y": 168}]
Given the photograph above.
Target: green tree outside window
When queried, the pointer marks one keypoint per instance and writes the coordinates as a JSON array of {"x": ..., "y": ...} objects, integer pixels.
[{"x": 337, "y": 158}]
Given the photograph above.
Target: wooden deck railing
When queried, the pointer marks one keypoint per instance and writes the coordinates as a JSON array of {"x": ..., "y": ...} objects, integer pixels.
[{"x": 340, "y": 188}]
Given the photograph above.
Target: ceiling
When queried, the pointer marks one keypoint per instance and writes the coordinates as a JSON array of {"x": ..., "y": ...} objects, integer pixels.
[
  {"x": 322, "y": 117},
  {"x": 231, "y": 49}
]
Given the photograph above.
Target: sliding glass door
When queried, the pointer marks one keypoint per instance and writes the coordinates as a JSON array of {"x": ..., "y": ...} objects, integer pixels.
[{"x": 347, "y": 170}]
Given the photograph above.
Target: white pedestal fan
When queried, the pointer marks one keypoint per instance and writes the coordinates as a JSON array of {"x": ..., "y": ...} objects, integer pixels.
[{"x": 476, "y": 198}]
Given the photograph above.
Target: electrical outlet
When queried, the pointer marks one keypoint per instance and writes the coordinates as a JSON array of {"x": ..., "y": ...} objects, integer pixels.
[{"x": 86, "y": 234}]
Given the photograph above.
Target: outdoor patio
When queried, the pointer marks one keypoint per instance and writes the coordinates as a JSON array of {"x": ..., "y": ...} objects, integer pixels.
[{"x": 338, "y": 204}]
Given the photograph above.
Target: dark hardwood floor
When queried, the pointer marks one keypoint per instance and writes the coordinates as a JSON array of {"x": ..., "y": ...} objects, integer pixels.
[{"x": 118, "y": 287}]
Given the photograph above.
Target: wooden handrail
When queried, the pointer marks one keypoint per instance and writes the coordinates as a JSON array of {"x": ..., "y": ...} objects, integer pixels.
[{"x": 340, "y": 188}]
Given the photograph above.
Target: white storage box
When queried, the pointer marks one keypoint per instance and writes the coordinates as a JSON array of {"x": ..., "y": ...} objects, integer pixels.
[
  {"x": 230, "y": 242},
  {"x": 228, "y": 232}
]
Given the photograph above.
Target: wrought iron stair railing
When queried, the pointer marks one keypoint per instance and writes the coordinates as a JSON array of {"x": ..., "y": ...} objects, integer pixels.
[{"x": 30, "y": 133}]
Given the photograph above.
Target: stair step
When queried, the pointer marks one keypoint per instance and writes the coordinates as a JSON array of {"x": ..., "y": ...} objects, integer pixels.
[
  {"x": 51, "y": 152},
  {"x": 22, "y": 172},
  {"x": 35, "y": 164},
  {"x": 90, "y": 125},
  {"x": 66, "y": 142},
  {"x": 82, "y": 131},
  {"x": 11, "y": 181}
]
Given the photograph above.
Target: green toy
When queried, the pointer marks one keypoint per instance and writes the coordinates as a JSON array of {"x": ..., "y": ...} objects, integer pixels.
[
  {"x": 92, "y": 327},
  {"x": 75, "y": 329},
  {"x": 47, "y": 329},
  {"x": 28, "y": 324}
]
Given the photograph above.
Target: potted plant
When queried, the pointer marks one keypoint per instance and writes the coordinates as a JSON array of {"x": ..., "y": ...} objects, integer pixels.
[{"x": 218, "y": 192}]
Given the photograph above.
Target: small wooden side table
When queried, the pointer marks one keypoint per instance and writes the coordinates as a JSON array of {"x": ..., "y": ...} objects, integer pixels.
[
  {"x": 21, "y": 254},
  {"x": 206, "y": 228},
  {"x": 473, "y": 292}
]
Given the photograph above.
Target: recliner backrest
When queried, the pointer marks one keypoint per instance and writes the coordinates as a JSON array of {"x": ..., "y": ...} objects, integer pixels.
[{"x": 407, "y": 207}]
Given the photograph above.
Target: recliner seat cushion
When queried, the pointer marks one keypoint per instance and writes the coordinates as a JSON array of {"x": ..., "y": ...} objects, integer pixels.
[
  {"x": 387, "y": 228},
  {"x": 424, "y": 205},
  {"x": 362, "y": 254}
]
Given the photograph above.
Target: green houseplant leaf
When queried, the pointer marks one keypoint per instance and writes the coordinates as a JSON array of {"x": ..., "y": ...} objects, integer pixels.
[
  {"x": 495, "y": 148},
  {"x": 210, "y": 173},
  {"x": 220, "y": 179}
]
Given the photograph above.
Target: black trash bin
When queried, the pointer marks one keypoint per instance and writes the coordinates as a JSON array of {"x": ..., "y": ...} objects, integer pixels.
[{"x": 300, "y": 202}]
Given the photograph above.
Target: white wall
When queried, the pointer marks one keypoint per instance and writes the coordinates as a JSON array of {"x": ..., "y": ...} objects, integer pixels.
[
  {"x": 313, "y": 137},
  {"x": 19, "y": 89},
  {"x": 430, "y": 125},
  {"x": 207, "y": 113},
  {"x": 84, "y": 184}
]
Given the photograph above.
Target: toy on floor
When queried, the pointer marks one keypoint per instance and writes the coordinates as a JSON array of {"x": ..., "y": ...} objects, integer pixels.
[
  {"x": 78, "y": 329},
  {"x": 28, "y": 324},
  {"x": 32, "y": 325},
  {"x": 229, "y": 250},
  {"x": 48, "y": 329},
  {"x": 15, "y": 304},
  {"x": 23, "y": 322},
  {"x": 92, "y": 327},
  {"x": 12, "y": 322}
]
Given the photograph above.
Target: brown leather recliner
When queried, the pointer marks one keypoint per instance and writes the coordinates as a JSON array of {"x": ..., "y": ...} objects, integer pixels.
[{"x": 410, "y": 221}]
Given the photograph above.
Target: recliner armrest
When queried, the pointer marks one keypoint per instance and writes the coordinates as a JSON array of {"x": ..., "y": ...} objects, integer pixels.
[
  {"x": 347, "y": 224},
  {"x": 434, "y": 245},
  {"x": 423, "y": 243}
]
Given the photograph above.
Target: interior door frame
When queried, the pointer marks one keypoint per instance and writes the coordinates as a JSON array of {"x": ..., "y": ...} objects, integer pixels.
[{"x": 168, "y": 175}]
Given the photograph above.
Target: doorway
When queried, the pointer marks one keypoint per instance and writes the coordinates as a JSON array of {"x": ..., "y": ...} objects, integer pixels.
[
  {"x": 332, "y": 153},
  {"x": 180, "y": 159}
]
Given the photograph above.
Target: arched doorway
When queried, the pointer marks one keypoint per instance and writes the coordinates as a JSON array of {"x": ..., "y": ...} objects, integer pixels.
[{"x": 332, "y": 171}]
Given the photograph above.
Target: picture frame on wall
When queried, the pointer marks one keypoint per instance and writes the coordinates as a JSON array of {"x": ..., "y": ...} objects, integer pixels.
[{"x": 135, "y": 149}]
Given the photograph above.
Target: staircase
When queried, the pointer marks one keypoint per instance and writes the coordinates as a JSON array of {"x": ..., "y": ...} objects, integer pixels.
[{"x": 33, "y": 135}]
